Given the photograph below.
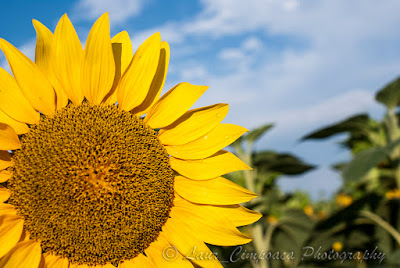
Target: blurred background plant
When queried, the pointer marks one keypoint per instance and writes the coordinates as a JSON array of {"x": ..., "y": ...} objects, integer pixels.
[{"x": 362, "y": 218}]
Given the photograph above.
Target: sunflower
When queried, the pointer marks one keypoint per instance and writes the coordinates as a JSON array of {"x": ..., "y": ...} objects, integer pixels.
[{"x": 98, "y": 170}]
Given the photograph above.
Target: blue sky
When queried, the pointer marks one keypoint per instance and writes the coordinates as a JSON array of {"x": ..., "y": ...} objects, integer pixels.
[{"x": 298, "y": 64}]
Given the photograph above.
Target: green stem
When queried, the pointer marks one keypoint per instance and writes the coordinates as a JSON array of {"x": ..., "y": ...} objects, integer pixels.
[
  {"x": 268, "y": 237},
  {"x": 259, "y": 244},
  {"x": 393, "y": 134},
  {"x": 257, "y": 228},
  {"x": 382, "y": 223},
  {"x": 249, "y": 174}
]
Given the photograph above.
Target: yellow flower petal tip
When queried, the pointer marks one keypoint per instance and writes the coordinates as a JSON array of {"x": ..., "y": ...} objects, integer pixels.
[
  {"x": 218, "y": 191},
  {"x": 174, "y": 104},
  {"x": 193, "y": 124},
  {"x": 220, "y": 163},
  {"x": 33, "y": 83},
  {"x": 137, "y": 79},
  {"x": 98, "y": 68},
  {"x": 69, "y": 57},
  {"x": 12, "y": 101},
  {"x": 45, "y": 60},
  {"x": 4, "y": 194},
  {"x": 8, "y": 138},
  {"x": 208, "y": 144}
]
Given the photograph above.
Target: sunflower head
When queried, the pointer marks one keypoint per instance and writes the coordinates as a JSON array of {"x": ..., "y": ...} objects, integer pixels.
[{"x": 98, "y": 170}]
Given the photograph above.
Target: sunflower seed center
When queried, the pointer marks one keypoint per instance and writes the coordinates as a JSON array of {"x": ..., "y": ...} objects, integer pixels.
[{"x": 93, "y": 184}]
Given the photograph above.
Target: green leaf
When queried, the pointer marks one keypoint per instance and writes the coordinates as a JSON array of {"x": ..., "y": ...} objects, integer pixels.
[
  {"x": 269, "y": 161},
  {"x": 339, "y": 166},
  {"x": 354, "y": 123},
  {"x": 394, "y": 257},
  {"x": 365, "y": 160},
  {"x": 255, "y": 134},
  {"x": 389, "y": 95},
  {"x": 348, "y": 214}
]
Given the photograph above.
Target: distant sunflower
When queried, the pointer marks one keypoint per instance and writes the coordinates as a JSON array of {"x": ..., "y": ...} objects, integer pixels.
[{"x": 97, "y": 170}]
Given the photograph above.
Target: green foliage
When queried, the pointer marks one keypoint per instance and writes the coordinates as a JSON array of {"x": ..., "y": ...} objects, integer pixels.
[
  {"x": 353, "y": 124},
  {"x": 255, "y": 134},
  {"x": 367, "y": 159},
  {"x": 389, "y": 95},
  {"x": 270, "y": 161}
]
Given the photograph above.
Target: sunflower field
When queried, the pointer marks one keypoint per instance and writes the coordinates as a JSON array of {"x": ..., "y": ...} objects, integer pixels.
[{"x": 359, "y": 226}]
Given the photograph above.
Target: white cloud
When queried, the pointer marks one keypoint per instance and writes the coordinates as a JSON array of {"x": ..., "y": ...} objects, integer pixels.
[
  {"x": 252, "y": 44},
  {"x": 290, "y": 5},
  {"x": 120, "y": 10},
  {"x": 342, "y": 51},
  {"x": 309, "y": 18},
  {"x": 231, "y": 54},
  {"x": 325, "y": 112},
  {"x": 195, "y": 72},
  {"x": 243, "y": 53},
  {"x": 228, "y": 17},
  {"x": 333, "y": 76}
]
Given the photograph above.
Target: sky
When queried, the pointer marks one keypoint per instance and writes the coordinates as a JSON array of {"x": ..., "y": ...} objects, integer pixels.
[{"x": 298, "y": 64}]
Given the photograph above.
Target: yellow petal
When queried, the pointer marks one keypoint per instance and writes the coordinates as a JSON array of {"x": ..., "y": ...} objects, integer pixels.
[
  {"x": 193, "y": 124},
  {"x": 181, "y": 236},
  {"x": 50, "y": 260},
  {"x": 123, "y": 47},
  {"x": 98, "y": 65},
  {"x": 24, "y": 254},
  {"x": 69, "y": 56},
  {"x": 208, "y": 144},
  {"x": 5, "y": 160},
  {"x": 19, "y": 128},
  {"x": 43, "y": 50},
  {"x": 33, "y": 83},
  {"x": 158, "y": 81},
  {"x": 237, "y": 214},
  {"x": 123, "y": 53},
  {"x": 209, "y": 226},
  {"x": 44, "y": 59},
  {"x": 53, "y": 261},
  {"x": 79, "y": 266},
  {"x": 108, "y": 265},
  {"x": 13, "y": 102},
  {"x": 137, "y": 262},
  {"x": 8, "y": 138},
  {"x": 136, "y": 81},
  {"x": 7, "y": 209},
  {"x": 214, "y": 166},
  {"x": 4, "y": 194},
  {"x": 173, "y": 104},
  {"x": 218, "y": 191},
  {"x": 25, "y": 236},
  {"x": 10, "y": 232},
  {"x": 163, "y": 254},
  {"x": 5, "y": 175}
]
